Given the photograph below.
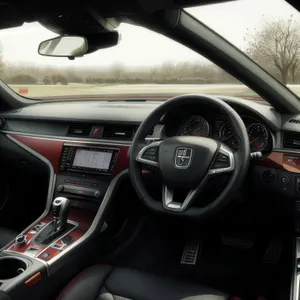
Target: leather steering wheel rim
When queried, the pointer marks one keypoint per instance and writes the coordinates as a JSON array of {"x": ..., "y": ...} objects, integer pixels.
[{"x": 241, "y": 156}]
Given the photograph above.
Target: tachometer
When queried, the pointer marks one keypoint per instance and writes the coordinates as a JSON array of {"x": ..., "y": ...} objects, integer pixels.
[
  {"x": 226, "y": 136},
  {"x": 258, "y": 137},
  {"x": 196, "y": 125}
]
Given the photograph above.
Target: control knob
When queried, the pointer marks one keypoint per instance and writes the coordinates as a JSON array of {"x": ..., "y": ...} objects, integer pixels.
[
  {"x": 97, "y": 194},
  {"x": 60, "y": 188},
  {"x": 20, "y": 240}
]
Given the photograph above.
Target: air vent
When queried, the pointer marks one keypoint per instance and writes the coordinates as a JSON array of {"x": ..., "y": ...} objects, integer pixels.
[
  {"x": 294, "y": 121},
  {"x": 79, "y": 130},
  {"x": 291, "y": 140},
  {"x": 122, "y": 132}
]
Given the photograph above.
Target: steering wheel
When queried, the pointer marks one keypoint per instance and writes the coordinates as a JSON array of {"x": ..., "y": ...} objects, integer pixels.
[{"x": 189, "y": 161}]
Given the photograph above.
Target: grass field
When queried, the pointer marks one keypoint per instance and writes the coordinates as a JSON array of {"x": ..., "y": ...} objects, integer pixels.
[{"x": 77, "y": 89}]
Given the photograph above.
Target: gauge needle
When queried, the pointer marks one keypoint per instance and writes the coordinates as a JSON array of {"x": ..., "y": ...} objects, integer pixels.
[
  {"x": 227, "y": 138},
  {"x": 254, "y": 140}
]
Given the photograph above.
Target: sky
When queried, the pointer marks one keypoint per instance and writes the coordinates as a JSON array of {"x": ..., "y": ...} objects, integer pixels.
[{"x": 141, "y": 47}]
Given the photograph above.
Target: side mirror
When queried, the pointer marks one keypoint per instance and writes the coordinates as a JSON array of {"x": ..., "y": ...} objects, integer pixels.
[{"x": 64, "y": 46}]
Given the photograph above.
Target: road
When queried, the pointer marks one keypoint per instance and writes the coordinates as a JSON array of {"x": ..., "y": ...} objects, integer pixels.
[{"x": 78, "y": 89}]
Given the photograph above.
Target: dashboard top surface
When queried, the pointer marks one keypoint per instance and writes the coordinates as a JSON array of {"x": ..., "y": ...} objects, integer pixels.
[
  {"x": 123, "y": 111},
  {"x": 53, "y": 118}
]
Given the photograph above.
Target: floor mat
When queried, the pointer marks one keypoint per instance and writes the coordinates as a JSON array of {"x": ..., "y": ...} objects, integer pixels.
[{"x": 241, "y": 272}]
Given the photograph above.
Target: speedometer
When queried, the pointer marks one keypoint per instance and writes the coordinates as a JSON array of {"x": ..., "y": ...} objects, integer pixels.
[
  {"x": 196, "y": 125},
  {"x": 258, "y": 137},
  {"x": 226, "y": 136}
]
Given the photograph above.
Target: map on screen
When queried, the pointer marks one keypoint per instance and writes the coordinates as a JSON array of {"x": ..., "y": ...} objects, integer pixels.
[{"x": 92, "y": 159}]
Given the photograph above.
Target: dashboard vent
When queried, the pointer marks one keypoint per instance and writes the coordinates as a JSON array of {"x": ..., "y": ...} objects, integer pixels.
[
  {"x": 79, "y": 130},
  {"x": 122, "y": 132},
  {"x": 295, "y": 121},
  {"x": 291, "y": 140}
]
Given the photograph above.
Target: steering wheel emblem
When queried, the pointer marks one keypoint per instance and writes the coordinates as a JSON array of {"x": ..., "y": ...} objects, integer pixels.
[{"x": 183, "y": 158}]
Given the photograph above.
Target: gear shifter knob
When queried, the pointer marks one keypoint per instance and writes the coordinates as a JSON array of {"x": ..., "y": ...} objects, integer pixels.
[{"x": 60, "y": 208}]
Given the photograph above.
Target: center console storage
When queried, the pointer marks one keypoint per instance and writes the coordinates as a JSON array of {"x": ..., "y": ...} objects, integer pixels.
[{"x": 11, "y": 267}]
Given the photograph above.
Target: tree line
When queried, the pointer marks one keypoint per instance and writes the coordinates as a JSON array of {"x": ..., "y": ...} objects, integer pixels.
[
  {"x": 167, "y": 73},
  {"x": 275, "y": 46}
]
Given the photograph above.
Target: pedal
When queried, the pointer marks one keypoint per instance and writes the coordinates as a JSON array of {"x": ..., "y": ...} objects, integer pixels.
[
  {"x": 190, "y": 252},
  {"x": 273, "y": 251},
  {"x": 242, "y": 240}
]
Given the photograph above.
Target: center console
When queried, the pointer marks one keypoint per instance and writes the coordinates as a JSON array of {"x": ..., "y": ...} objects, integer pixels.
[
  {"x": 85, "y": 174},
  {"x": 82, "y": 182}
]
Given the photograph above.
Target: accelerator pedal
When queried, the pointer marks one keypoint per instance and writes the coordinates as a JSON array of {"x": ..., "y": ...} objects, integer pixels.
[
  {"x": 273, "y": 251},
  {"x": 190, "y": 252}
]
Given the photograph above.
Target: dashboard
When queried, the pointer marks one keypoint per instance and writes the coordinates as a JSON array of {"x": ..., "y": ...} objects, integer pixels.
[
  {"x": 77, "y": 131},
  {"x": 216, "y": 126}
]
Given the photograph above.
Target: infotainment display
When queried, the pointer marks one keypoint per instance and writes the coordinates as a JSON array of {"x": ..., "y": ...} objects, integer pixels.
[
  {"x": 92, "y": 159},
  {"x": 88, "y": 159}
]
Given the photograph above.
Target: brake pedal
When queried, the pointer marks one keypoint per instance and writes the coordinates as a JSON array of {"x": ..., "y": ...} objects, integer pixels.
[
  {"x": 238, "y": 239},
  {"x": 190, "y": 252}
]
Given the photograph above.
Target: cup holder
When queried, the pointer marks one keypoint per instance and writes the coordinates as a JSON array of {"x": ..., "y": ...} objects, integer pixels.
[{"x": 11, "y": 267}]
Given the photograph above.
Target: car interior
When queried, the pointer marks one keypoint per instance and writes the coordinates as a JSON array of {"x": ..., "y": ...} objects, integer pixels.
[{"x": 191, "y": 196}]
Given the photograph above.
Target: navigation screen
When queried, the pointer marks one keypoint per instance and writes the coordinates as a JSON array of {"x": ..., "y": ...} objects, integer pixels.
[{"x": 92, "y": 159}]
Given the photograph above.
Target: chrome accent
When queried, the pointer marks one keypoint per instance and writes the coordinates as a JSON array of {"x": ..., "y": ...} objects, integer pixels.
[
  {"x": 169, "y": 204},
  {"x": 143, "y": 150},
  {"x": 152, "y": 139},
  {"x": 66, "y": 138},
  {"x": 226, "y": 151},
  {"x": 183, "y": 157}
]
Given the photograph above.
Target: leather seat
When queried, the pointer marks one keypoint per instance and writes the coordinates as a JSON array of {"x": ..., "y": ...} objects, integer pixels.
[
  {"x": 6, "y": 235},
  {"x": 103, "y": 282}
]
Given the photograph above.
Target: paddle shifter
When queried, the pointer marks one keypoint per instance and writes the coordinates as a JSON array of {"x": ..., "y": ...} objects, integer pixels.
[
  {"x": 60, "y": 208},
  {"x": 59, "y": 226}
]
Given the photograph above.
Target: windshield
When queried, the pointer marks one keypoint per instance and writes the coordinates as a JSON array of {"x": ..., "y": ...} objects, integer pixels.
[{"x": 147, "y": 64}]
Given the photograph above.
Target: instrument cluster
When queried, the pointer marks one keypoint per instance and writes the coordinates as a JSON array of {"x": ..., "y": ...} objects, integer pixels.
[{"x": 220, "y": 128}]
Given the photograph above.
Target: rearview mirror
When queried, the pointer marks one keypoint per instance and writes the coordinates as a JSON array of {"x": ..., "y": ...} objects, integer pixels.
[{"x": 64, "y": 46}]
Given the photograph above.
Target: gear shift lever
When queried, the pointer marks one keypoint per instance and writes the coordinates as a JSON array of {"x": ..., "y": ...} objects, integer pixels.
[
  {"x": 60, "y": 208},
  {"x": 59, "y": 226}
]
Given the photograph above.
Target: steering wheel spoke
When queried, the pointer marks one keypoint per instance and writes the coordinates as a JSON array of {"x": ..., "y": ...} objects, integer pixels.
[
  {"x": 148, "y": 155},
  {"x": 170, "y": 204},
  {"x": 224, "y": 161}
]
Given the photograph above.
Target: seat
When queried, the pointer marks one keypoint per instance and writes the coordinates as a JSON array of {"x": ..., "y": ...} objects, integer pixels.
[
  {"x": 6, "y": 235},
  {"x": 103, "y": 282}
]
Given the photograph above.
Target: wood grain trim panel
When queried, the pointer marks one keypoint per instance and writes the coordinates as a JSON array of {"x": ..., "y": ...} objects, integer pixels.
[
  {"x": 82, "y": 217},
  {"x": 51, "y": 149},
  {"x": 281, "y": 160}
]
